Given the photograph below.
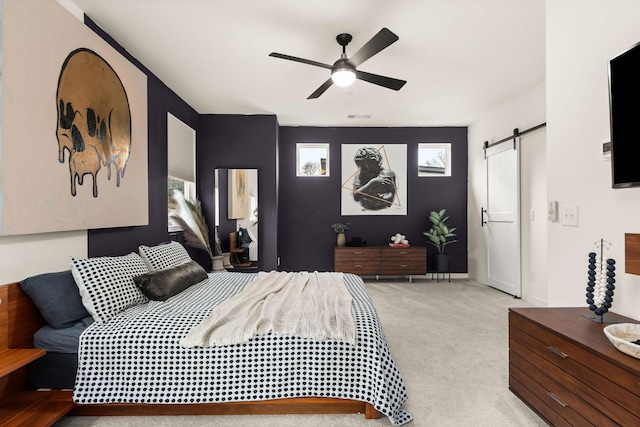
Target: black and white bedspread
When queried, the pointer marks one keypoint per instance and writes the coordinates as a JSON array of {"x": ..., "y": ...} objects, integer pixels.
[{"x": 136, "y": 357}]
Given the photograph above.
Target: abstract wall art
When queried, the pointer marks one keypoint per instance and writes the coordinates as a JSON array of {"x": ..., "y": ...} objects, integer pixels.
[{"x": 73, "y": 150}]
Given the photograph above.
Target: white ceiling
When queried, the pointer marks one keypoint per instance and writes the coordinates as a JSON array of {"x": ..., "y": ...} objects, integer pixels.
[{"x": 460, "y": 58}]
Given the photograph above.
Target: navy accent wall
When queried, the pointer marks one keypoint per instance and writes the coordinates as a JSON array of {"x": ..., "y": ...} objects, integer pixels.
[
  {"x": 161, "y": 99},
  {"x": 242, "y": 142},
  {"x": 308, "y": 206}
]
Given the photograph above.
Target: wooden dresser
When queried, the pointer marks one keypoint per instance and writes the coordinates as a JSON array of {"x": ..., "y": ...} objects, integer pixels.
[
  {"x": 563, "y": 366},
  {"x": 381, "y": 260}
]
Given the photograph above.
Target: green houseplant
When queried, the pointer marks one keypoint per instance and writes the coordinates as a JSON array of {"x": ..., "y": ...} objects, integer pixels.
[
  {"x": 188, "y": 215},
  {"x": 439, "y": 236}
]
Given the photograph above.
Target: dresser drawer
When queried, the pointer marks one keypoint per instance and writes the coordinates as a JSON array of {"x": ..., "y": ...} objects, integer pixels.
[
  {"x": 556, "y": 385},
  {"x": 523, "y": 382},
  {"x": 356, "y": 267},
  {"x": 576, "y": 360},
  {"x": 357, "y": 254},
  {"x": 403, "y": 267},
  {"x": 412, "y": 253}
]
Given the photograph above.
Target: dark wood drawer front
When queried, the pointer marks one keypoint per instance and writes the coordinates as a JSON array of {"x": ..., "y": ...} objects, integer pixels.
[
  {"x": 614, "y": 382},
  {"x": 403, "y": 253},
  {"x": 403, "y": 267},
  {"x": 591, "y": 403},
  {"x": 357, "y": 255},
  {"x": 553, "y": 408},
  {"x": 530, "y": 397},
  {"x": 358, "y": 267}
]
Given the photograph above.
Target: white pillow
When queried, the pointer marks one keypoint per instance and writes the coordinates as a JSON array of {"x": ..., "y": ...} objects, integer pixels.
[
  {"x": 106, "y": 283},
  {"x": 164, "y": 256}
]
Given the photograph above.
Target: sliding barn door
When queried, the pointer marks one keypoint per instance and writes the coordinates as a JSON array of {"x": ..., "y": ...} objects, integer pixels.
[{"x": 501, "y": 218}]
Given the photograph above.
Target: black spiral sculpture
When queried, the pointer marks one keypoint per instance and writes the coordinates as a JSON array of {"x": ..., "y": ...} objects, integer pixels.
[{"x": 601, "y": 283}]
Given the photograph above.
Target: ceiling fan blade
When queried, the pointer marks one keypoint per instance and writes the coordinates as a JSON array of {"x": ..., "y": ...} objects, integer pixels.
[
  {"x": 326, "y": 85},
  {"x": 380, "y": 41},
  {"x": 296, "y": 59},
  {"x": 387, "y": 82}
]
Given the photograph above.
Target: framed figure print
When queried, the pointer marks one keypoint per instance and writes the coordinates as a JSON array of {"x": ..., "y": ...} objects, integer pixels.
[{"x": 374, "y": 179}]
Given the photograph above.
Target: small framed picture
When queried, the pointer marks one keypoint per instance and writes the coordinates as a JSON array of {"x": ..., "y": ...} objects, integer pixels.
[
  {"x": 434, "y": 159},
  {"x": 312, "y": 160}
]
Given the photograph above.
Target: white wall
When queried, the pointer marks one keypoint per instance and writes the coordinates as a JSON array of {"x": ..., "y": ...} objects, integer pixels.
[
  {"x": 524, "y": 112},
  {"x": 582, "y": 35},
  {"x": 24, "y": 256}
]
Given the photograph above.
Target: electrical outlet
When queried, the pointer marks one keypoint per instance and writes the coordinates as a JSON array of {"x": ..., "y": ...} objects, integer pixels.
[
  {"x": 569, "y": 216},
  {"x": 531, "y": 214}
]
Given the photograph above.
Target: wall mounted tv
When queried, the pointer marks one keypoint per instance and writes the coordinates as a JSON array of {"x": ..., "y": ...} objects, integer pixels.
[{"x": 624, "y": 109}]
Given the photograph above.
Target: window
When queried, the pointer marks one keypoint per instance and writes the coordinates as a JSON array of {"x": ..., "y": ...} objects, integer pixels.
[
  {"x": 312, "y": 159},
  {"x": 434, "y": 159}
]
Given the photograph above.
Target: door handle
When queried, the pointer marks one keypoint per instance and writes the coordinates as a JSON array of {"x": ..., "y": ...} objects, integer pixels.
[{"x": 482, "y": 212}]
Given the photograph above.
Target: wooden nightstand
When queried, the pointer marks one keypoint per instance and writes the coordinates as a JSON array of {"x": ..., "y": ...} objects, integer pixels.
[{"x": 19, "y": 407}]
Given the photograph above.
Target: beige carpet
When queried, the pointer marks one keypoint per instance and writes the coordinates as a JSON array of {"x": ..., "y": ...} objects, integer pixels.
[{"x": 450, "y": 342}]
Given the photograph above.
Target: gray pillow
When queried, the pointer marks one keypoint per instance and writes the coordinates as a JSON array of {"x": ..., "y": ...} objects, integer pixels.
[
  {"x": 159, "y": 285},
  {"x": 57, "y": 297}
]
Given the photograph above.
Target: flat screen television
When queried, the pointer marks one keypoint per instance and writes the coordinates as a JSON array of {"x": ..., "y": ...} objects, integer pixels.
[{"x": 624, "y": 109}]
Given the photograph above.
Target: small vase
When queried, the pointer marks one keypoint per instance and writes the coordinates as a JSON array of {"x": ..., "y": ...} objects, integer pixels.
[
  {"x": 217, "y": 263},
  {"x": 341, "y": 239}
]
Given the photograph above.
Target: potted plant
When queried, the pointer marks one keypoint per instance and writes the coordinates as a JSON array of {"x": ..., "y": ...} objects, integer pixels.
[
  {"x": 439, "y": 235},
  {"x": 188, "y": 215},
  {"x": 339, "y": 229}
]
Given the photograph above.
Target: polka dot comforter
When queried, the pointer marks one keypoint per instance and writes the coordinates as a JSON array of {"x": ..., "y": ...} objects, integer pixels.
[{"x": 136, "y": 357}]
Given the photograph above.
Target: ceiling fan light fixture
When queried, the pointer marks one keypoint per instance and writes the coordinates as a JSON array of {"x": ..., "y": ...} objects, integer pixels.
[
  {"x": 343, "y": 77},
  {"x": 343, "y": 73}
]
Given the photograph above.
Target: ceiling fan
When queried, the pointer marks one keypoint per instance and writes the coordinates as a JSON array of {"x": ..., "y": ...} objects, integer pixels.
[{"x": 344, "y": 72}]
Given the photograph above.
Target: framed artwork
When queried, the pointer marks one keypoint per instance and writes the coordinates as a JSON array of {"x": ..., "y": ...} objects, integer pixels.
[
  {"x": 238, "y": 194},
  {"x": 312, "y": 160},
  {"x": 374, "y": 179},
  {"x": 434, "y": 159},
  {"x": 66, "y": 169}
]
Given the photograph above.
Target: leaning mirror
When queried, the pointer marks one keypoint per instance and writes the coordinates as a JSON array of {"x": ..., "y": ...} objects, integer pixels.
[{"x": 236, "y": 215}]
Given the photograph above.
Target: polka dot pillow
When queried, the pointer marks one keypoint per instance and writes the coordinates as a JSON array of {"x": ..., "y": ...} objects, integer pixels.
[
  {"x": 164, "y": 256},
  {"x": 106, "y": 283}
]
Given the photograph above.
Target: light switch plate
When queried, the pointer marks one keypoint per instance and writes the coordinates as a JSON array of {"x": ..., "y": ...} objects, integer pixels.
[{"x": 569, "y": 216}]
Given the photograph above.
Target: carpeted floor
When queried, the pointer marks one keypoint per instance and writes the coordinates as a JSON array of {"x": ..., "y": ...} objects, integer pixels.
[{"x": 450, "y": 342}]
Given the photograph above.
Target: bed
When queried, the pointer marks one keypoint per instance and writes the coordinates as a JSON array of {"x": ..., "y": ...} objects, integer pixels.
[{"x": 130, "y": 362}]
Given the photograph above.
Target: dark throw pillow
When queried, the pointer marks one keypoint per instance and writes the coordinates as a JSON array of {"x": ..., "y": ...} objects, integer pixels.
[
  {"x": 57, "y": 297},
  {"x": 159, "y": 285}
]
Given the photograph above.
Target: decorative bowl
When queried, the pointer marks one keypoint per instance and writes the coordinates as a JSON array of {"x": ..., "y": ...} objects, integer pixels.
[{"x": 622, "y": 336}]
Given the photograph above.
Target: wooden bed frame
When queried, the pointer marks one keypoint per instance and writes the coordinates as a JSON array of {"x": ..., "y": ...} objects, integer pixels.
[{"x": 19, "y": 319}]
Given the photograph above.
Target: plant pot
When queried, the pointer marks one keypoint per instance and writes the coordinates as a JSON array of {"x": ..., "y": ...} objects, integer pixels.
[
  {"x": 217, "y": 263},
  {"x": 342, "y": 239},
  {"x": 441, "y": 263}
]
